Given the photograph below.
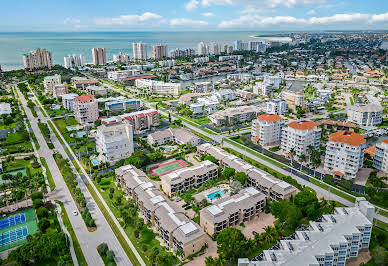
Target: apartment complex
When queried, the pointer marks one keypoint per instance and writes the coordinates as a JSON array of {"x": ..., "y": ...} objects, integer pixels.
[
  {"x": 233, "y": 116},
  {"x": 365, "y": 115},
  {"x": 37, "y": 59},
  {"x": 345, "y": 154},
  {"x": 331, "y": 240},
  {"x": 85, "y": 109},
  {"x": 270, "y": 186},
  {"x": 139, "y": 120},
  {"x": 203, "y": 49},
  {"x": 74, "y": 61},
  {"x": 159, "y": 51},
  {"x": 299, "y": 135},
  {"x": 176, "y": 230},
  {"x": 121, "y": 58},
  {"x": 177, "y": 135},
  {"x": 49, "y": 83},
  {"x": 84, "y": 83},
  {"x": 232, "y": 211},
  {"x": 99, "y": 56},
  {"x": 122, "y": 74},
  {"x": 114, "y": 141},
  {"x": 122, "y": 105},
  {"x": 158, "y": 87},
  {"x": 139, "y": 51},
  {"x": 96, "y": 90},
  {"x": 276, "y": 106},
  {"x": 60, "y": 90},
  {"x": 68, "y": 101},
  {"x": 380, "y": 160},
  {"x": 267, "y": 129},
  {"x": 293, "y": 98},
  {"x": 189, "y": 177}
]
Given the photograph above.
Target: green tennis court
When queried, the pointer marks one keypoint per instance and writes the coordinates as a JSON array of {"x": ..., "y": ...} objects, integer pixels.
[{"x": 169, "y": 167}]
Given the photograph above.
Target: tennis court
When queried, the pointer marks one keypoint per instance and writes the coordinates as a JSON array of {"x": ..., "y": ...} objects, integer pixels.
[
  {"x": 13, "y": 235},
  {"x": 13, "y": 220},
  {"x": 163, "y": 169}
]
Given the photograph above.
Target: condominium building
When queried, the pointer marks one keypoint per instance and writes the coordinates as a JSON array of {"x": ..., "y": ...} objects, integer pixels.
[
  {"x": 293, "y": 98},
  {"x": 158, "y": 87},
  {"x": 242, "y": 77},
  {"x": 99, "y": 56},
  {"x": 230, "y": 57},
  {"x": 97, "y": 90},
  {"x": 177, "y": 135},
  {"x": 270, "y": 186},
  {"x": 380, "y": 160},
  {"x": 331, "y": 240},
  {"x": 122, "y": 74},
  {"x": 166, "y": 218},
  {"x": 159, "y": 51},
  {"x": 201, "y": 60},
  {"x": 225, "y": 95},
  {"x": 182, "y": 53},
  {"x": 274, "y": 81},
  {"x": 206, "y": 86},
  {"x": 68, "y": 101},
  {"x": 209, "y": 105},
  {"x": 139, "y": 51},
  {"x": 167, "y": 63},
  {"x": 140, "y": 120},
  {"x": 60, "y": 90},
  {"x": 85, "y": 109},
  {"x": 214, "y": 48},
  {"x": 203, "y": 49},
  {"x": 49, "y": 83},
  {"x": 5, "y": 109},
  {"x": 263, "y": 89},
  {"x": 37, "y": 59},
  {"x": 114, "y": 141},
  {"x": 299, "y": 135},
  {"x": 189, "y": 177},
  {"x": 245, "y": 95},
  {"x": 121, "y": 58},
  {"x": 276, "y": 106},
  {"x": 74, "y": 61},
  {"x": 233, "y": 116},
  {"x": 344, "y": 154},
  {"x": 365, "y": 115},
  {"x": 267, "y": 129},
  {"x": 232, "y": 211},
  {"x": 84, "y": 83},
  {"x": 122, "y": 105}
]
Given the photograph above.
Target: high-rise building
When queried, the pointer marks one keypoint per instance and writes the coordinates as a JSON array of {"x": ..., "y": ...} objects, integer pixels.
[
  {"x": 159, "y": 51},
  {"x": 182, "y": 53},
  {"x": 344, "y": 154},
  {"x": 214, "y": 48},
  {"x": 202, "y": 49},
  {"x": 238, "y": 45},
  {"x": 49, "y": 83},
  {"x": 85, "y": 109},
  {"x": 121, "y": 58},
  {"x": 99, "y": 56},
  {"x": 267, "y": 129},
  {"x": 139, "y": 51},
  {"x": 365, "y": 115},
  {"x": 37, "y": 59},
  {"x": 73, "y": 61}
]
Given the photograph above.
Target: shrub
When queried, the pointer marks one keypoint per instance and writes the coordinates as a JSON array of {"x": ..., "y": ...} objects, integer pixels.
[
  {"x": 42, "y": 212},
  {"x": 37, "y": 203},
  {"x": 110, "y": 255},
  {"x": 102, "y": 249},
  {"x": 36, "y": 195},
  {"x": 43, "y": 225}
]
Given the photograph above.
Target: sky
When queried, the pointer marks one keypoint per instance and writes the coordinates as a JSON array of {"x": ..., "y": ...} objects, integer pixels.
[{"x": 193, "y": 15}]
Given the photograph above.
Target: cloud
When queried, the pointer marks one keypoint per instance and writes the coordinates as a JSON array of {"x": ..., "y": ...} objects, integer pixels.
[
  {"x": 129, "y": 19},
  {"x": 251, "y": 5},
  {"x": 311, "y": 12},
  {"x": 188, "y": 22},
  {"x": 192, "y": 5},
  {"x": 254, "y": 20},
  {"x": 68, "y": 21},
  {"x": 208, "y": 14}
]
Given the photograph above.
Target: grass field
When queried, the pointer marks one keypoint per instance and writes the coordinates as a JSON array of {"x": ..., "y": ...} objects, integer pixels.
[
  {"x": 168, "y": 167},
  {"x": 31, "y": 223}
]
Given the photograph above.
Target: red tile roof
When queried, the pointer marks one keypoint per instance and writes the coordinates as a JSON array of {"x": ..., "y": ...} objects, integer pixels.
[
  {"x": 303, "y": 125},
  {"x": 88, "y": 81},
  {"x": 385, "y": 141},
  {"x": 371, "y": 151},
  {"x": 139, "y": 77},
  {"x": 269, "y": 118},
  {"x": 84, "y": 98},
  {"x": 338, "y": 173},
  {"x": 348, "y": 137}
]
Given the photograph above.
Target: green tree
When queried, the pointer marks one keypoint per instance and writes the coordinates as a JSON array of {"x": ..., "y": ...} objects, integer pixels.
[
  {"x": 43, "y": 225},
  {"x": 210, "y": 158},
  {"x": 241, "y": 177},
  {"x": 228, "y": 172},
  {"x": 379, "y": 255},
  {"x": 231, "y": 244},
  {"x": 37, "y": 203},
  {"x": 42, "y": 212},
  {"x": 102, "y": 249}
]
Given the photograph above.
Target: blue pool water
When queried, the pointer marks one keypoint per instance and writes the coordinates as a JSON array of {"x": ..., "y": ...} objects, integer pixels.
[
  {"x": 215, "y": 193},
  {"x": 94, "y": 161},
  {"x": 81, "y": 134}
]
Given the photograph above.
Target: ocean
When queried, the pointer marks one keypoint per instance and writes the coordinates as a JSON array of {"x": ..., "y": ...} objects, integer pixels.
[{"x": 14, "y": 45}]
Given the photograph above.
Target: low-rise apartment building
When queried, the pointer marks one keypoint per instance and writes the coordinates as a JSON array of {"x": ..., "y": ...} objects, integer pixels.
[
  {"x": 60, "y": 90},
  {"x": 270, "y": 186},
  {"x": 276, "y": 106},
  {"x": 380, "y": 160},
  {"x": 85, "y": 109},
  {"x": 158, "y": 87},
  {"x": 293, "y": 98},
  {"x": 97, "y": 90},
  {"x": 331, "y": 240},
  {"x": 122, "y": 105},
  {"x": 83, "y": 84},
  {"x": 299, "y": 135},
  {"x": 114, "y": 141},
  {"x": 232, "y": 211},
  {"x": 122, "y": 74},
  {"x": 233, "y": 116},
  {"x": 140, "y": 120},
  {"x": 68, "y": 101},
  {"x": 189, "y": 177},
  {"x": 246, "y": 95},
  {"x": 177, "y": 135},
  {"x": 225, "y": 95},
  {"x": 175, "y": 230},
  {"x": 365, "y": 115},
  {"x": 345, "y": 154},
  {"x": 267, "y": 129},
  {"x": 49, "y": 83},
  {"x": 200, "y": 87}
]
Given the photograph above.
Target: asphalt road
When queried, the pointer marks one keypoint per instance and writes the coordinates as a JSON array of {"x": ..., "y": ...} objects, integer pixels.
[{"x": 88, "y": 240}]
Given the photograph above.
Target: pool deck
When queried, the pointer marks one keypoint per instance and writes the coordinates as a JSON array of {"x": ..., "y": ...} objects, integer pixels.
[{"x": 204, "y": 194}]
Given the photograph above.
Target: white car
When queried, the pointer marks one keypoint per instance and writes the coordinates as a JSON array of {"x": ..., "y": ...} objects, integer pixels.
[{"x": 75, "y": 213}]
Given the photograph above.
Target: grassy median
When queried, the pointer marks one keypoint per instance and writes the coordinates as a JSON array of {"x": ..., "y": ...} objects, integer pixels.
[{"x": 50, "y": 179}]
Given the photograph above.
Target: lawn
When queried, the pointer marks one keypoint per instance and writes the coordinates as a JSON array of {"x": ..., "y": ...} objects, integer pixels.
[
  {"x": 4, "y": 127},
  {"x": 334, "y": 191},
  {"x": 50, "y": 179},
  {"x": 200, "y": 120},
  {"x": 21, "y": 163},
  {"x": 61, "y": 124}
]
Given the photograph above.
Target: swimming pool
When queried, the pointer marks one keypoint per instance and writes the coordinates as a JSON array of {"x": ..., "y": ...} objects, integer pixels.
[
  {"x": 214, "y": 194},
  {"x": 94, "y": 161}
]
